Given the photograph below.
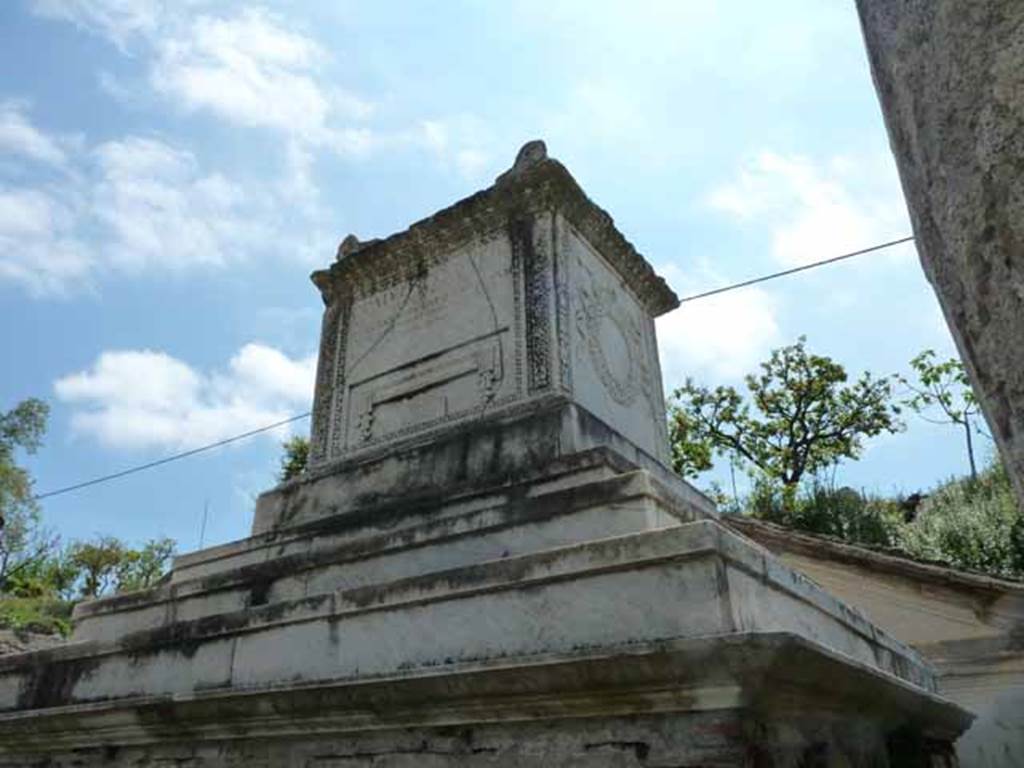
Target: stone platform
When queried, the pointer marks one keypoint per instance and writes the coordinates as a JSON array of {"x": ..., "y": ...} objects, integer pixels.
[
  {"x": 594, "y": 593},
  {"x": 489, "y": 562}
]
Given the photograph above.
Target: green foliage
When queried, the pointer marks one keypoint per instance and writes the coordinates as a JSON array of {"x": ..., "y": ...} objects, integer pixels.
[
  {"x": 821, "y": 509},
  {"x": 40, "y": 597},
  {"x": 295, "y": 459},
  {"x": 97, "y": 563},
  {"x": 940, "y": 384},
  {"x": 21, "y": 539},
  {"x": 54, "y": 575},
  {"x": 107, "y": 565},
  {"x": 40, "y": 581},
  {"x": 799, "y": 417},
  {"x": 143, "y": 568},
  {"x": 942, "y": 394},
  {"x": 23, "y": 427},
  {"x": 45, "y": 615},
  {"x": 972, "y": 524}
]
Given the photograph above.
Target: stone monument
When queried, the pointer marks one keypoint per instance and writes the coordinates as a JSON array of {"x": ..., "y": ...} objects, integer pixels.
[{"x": 488, "y": 562}]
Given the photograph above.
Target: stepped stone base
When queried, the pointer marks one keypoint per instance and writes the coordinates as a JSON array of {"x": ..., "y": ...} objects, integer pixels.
[
  {"x": 759, "y": 700},
  {"x": 489, "y": 563},
  {"x": 591, "y": 614}
]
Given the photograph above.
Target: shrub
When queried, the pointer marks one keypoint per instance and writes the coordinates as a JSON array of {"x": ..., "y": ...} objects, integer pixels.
[{"x": 972, "y": 524}]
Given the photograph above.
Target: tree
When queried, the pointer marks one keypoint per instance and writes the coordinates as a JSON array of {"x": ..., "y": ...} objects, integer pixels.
[
  {"x": 801, "y": 418},
  {"x": 943, "y": 386},
  {"x": 295, "y": 459},
  {"x": 142, "y": 568},
  {"x": 22, "y": 542},
  {"x": 108, "y": 565},
  {"x": 39, "y": 580},
  {"x": 98, "y": 563}
]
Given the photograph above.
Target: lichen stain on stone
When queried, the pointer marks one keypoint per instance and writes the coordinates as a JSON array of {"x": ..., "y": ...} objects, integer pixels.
[{"x": 52, "y": 684}]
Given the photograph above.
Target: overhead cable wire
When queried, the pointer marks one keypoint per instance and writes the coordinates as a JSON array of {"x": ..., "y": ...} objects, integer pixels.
[
  {"x": 794, "y": 270},
  {"x": 268, "y": 427},
  {"x": 169, "y": 459}
]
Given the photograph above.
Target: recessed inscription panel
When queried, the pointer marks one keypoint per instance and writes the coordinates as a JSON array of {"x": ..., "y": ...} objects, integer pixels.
[{"x": 437, "y": 348}]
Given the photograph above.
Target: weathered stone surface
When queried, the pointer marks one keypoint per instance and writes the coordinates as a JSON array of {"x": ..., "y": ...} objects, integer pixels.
[
  {"x": 950, "y": 76},
  {"x": 523, "y": 441},
  {"x": 750, "y": 701},
  {"x": 20, "y": 641},
  {"x": 600, "y": 593},
  {"x": 490, "y": 563},
  {"x": 520, "y": 292},
  {"x": 969, "y": 625}
]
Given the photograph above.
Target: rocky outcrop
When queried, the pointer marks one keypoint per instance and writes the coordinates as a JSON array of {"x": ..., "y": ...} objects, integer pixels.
[{"x": 950, "y": 77}]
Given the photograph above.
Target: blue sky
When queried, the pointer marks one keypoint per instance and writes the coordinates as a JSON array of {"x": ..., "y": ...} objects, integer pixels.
[{"x": 170, "y": 173}]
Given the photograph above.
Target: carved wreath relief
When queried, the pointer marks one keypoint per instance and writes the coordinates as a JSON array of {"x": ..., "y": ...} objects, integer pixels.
[{"x": 598, "y": 314}]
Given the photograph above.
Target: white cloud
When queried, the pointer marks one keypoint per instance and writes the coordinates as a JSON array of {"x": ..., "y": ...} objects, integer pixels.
[
  {"x": 609, "y": 111},
  {"x": 461, "y": 142},
  {"x": 251, "y": 70},
  {"x": 19, "y": 137},
  {"x": 38, "y": 246},
  {"x": 715, "y": 339},
  {"x": 255, "y": 68},
  {"x": 128, "y": 205},
  {"x": 117, "y": 20},
  {"x": 147, "y": 399},
  {"x": 26, "y": 213},
  {"x": 815, "y": 211},
  {"x": 249, "y": 67},
  {"x": 160, "y": 210}
]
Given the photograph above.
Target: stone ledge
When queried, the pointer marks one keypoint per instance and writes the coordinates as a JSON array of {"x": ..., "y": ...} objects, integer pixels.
[
  {"x": 574, "y": 469},
  {"x": 343, "y": 543},
  {"x": 782, "y": 539},
  {"x": 693, "y": 579},
  {"x": 619, "y": 505},
  {"x": 765, "y": 674},
  {"x": 457, "y": 461}
]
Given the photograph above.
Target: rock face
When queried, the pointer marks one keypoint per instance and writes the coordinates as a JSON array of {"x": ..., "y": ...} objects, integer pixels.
[
  {"x": 489, "y": 563},
  {"x": 950, "y": 76}
]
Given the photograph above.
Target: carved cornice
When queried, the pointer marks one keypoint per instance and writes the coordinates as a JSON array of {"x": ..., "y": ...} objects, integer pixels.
[{"x": 546, "y": 186}]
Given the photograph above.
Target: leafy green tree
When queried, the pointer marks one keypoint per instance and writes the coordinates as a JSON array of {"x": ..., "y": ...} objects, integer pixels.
[
  {"x": 295, "y": 458},
  {"x": 54, "y": 575},
  {"x": 799, "y": 417},
  {"x": 22, "y": 541},
  {"x": 39, "y": 580},
  {"x": 96, "y": 568},
  {"x": 942, "y": 394},
  {"x": 98, "y": 563},
  {"x": 143, "y": 568}
]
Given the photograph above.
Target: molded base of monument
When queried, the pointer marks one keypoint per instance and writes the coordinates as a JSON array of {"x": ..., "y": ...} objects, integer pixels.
[
  {"x": 579, "y": 612},
  {"x": 511, "y": 446},
  {"x": 763, "y": 700}
]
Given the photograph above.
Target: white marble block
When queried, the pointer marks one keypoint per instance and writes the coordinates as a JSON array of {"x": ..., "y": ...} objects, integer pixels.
[{"x": 520, "y": 291}]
